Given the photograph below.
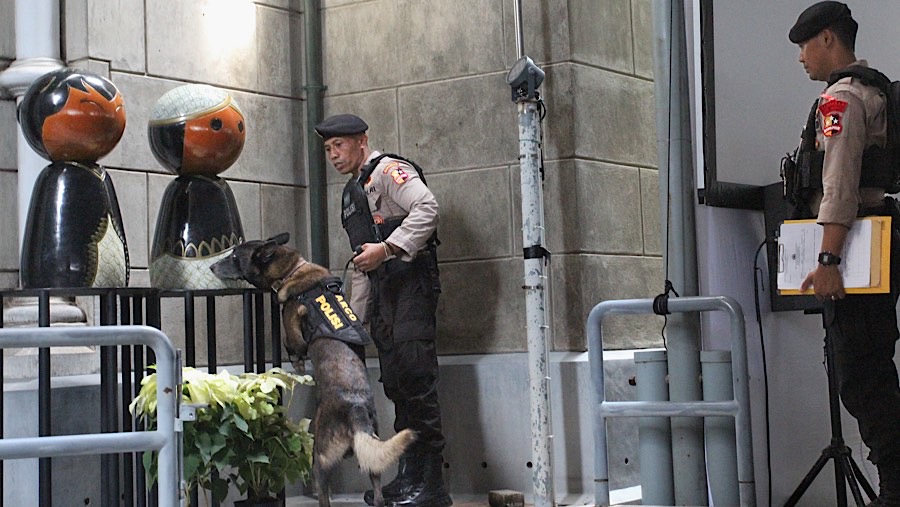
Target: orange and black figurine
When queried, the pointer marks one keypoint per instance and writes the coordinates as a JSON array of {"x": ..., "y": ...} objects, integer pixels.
[
  {"x": 74, "y": 235},
  {"x": 196, "y": 132}
]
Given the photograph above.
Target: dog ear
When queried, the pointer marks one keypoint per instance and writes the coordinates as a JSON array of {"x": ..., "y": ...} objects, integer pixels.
[
  {"x": 279, "y": 239},
  {"x": 265, "y": 253}
]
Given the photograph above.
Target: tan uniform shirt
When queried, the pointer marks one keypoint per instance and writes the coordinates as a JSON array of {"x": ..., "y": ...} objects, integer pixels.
[
  {"x": 395, "y": 190},
  {"x": 851, "y": 117}
]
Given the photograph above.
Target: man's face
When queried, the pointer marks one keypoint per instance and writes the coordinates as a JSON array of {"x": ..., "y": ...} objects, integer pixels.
[
  {"x": 346, "y": 154},
  {"x": 813, "y": 57}
]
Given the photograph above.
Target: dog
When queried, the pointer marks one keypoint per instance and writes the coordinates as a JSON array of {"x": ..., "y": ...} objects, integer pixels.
[{"x": 344, "y": 421}]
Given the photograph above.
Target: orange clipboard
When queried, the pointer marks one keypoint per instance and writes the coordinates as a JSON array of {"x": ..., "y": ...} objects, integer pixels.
[{"x": 878, "y": 262}]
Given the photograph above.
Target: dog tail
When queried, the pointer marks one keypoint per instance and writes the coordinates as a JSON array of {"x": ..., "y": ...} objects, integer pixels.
[{"x": 376, "y": 455}]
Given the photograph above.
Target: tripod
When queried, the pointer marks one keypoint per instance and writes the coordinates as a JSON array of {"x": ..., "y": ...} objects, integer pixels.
[{"x": 846, "y": 471}]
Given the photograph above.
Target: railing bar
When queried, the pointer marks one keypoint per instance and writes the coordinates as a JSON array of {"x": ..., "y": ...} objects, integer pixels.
[{"x": 45, "y": 473}]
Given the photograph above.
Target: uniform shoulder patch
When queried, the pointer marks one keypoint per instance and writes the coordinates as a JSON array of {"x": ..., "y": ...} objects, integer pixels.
[{"x": 832, "y": 110}]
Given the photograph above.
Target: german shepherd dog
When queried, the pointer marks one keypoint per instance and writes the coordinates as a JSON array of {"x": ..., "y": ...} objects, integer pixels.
[{"x": 344, "y": 422}]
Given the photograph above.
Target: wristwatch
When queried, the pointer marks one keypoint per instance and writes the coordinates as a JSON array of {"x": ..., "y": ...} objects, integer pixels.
[{"x": 829, "y": 259}]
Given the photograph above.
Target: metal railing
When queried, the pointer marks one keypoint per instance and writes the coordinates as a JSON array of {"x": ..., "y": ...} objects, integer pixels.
[
  {"x": 739, "y": 408},
  {"x": 163, "y": 439},
  {"x": 123, "y": 480}
]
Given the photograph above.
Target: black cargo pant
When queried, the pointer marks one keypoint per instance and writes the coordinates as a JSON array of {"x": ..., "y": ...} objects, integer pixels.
[
  {"x": 403, "y": 304},
  {"x": 866, "y": 332}
]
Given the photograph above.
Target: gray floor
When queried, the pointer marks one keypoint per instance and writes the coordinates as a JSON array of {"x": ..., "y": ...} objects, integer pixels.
[{"x": 458, "y": 501}]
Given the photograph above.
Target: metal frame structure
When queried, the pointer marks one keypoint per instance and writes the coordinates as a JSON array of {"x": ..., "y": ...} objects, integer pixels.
[
  {"x": 163, "y": 439},
  {"x": 738, "y": 408}
]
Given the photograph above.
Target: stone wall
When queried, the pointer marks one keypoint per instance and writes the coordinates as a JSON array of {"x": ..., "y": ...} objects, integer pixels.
[
  {"x": 9, "y": 261},
  {"x": 429, "y": 77}
]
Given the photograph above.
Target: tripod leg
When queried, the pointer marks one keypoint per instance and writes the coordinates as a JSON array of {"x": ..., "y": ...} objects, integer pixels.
[
  {"x": 861, "y": 479},
  {"x": 840, "y": 479},
  {"x": 844, "y": 460},
  {"x": 810, "y": 476}
]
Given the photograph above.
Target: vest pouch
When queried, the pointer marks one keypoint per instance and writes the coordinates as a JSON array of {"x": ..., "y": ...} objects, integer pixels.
[
  {"x": 356, "y": 218},
  {"x": 877, "y": 170}
]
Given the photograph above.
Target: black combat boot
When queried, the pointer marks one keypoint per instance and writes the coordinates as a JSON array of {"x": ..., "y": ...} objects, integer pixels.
[
  {"x": 888, "y": 485},
  {"x": 422, "y": 485},
  {"x": 390, "y": 490}
]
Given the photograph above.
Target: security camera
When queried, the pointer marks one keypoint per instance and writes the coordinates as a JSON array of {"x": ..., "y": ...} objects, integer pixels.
[{"x": 524, "y": 77}]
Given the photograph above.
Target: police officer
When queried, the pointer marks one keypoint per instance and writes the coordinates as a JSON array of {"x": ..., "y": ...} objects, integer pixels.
[
  {"x": 850, "y": 127},
  {"x": 391, "y": 217}
]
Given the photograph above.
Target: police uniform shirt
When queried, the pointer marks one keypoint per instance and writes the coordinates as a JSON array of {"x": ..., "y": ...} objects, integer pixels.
[
  {"x": 395, "y": 190},
  {"x": 851, "y": 116}
]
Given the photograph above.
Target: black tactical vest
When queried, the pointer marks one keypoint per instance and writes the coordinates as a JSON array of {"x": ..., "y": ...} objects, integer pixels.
[
  {"x": 356, "y": 217},
  {"x": 328, "y": 314}
]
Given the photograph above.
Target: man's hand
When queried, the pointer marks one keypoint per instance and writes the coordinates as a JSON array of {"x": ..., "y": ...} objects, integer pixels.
[
  {"x": 826, "y": 282},
  {"x": 372, "y": 256}
]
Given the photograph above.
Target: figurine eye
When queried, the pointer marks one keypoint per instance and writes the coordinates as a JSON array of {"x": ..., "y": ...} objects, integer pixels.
[
  {"x": 216, "y": 124},
  {"x": 240, "y": 126}
]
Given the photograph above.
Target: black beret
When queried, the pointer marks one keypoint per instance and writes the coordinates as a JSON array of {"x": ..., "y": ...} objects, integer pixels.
[
  {"x": 341, "y": 125},
  {"x": 816, "y": 18}
]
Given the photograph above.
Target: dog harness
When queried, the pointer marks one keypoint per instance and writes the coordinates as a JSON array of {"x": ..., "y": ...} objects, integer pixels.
[{"x": 329, "y": 315}]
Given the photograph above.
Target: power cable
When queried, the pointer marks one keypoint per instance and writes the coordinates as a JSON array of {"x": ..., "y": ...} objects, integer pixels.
[{"x": 757, "y": 277}]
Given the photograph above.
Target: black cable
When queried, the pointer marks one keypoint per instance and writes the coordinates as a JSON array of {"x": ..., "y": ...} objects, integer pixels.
[{"x": 757, "y": 274}]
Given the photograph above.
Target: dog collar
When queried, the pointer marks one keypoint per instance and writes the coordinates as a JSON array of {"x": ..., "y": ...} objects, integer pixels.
[{"x": 278, "y": 284}]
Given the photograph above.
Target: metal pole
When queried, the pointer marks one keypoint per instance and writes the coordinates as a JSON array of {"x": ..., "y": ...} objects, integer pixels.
[
  {"x": 676, "y": 205},
  {"x": 654, "y": 433},
  {"x": 535, "y": 280},
  {"x": 721, "y": 453},
  {"x": 520, "y": 42},
  {"x": 315, "y": 156}
]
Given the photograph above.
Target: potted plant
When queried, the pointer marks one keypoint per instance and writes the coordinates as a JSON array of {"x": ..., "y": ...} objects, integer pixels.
[{"x": 241, "y": 436}]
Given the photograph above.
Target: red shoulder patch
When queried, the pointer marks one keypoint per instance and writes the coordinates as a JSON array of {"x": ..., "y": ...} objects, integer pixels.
[{"x": 832, "y": 110}]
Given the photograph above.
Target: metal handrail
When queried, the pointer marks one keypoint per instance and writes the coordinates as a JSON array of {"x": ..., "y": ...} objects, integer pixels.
[
  {"x": 162, "y": 439},
  {"x": 739, "y": 408}
]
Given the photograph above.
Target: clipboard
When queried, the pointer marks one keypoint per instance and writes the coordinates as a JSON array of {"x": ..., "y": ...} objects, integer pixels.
[{"x": 866, "y": 256}]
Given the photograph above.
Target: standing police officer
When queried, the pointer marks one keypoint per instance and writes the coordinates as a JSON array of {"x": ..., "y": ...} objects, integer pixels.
[
  {"x": 390, "y": 217},
  {"x": 849, "y": 123}
]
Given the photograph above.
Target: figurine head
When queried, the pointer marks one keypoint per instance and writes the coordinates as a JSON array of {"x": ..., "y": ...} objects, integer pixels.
[
  {"x": 72, "y": 115},
  {"x": 196, "y": 130}
]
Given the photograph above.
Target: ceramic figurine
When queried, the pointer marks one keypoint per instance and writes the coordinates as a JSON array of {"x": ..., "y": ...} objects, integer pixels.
[
  {"x": 74, "y": 235},
  {"x": 196, "y": 132}
]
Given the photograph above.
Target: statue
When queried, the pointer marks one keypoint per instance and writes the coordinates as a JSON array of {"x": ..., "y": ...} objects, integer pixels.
[
  {"x": 74, "y": 235},
  {"x": 196, "y": 132}
]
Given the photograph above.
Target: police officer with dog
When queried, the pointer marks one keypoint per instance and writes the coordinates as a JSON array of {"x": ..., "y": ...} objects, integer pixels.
[
  {"x": 391, "y": 218},
  {"x": 840, "y": 172}
]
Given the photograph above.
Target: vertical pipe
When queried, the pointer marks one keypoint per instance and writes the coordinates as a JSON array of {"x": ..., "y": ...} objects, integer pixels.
[
  {"x": 37, "y": 52},
  {"x": 45, "y": 477},
  {"x": 274, "y": 308},
  {"x": 109, "y": 415},
  {"x": 315, "y": 156},
  {"x": 248, "y": 330},
  {"x": 126, "y": 390},
  {"x": 260, "y": 332},
  {"x": 520, "y": 41},
  {"x": 211, "y": 352},
  {"x": 676, "y": 205},
  {"x": 654, "y": 433},
  {"x": 190, "y": 345},
  {"x": 721, "y": 450},
  {"x": 535, "y": 310}
]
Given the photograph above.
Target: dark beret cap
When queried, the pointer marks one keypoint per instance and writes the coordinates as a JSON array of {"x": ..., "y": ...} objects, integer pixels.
[
  {"x": 816, "y": 18},
  {"x": 341, "y": 125}
]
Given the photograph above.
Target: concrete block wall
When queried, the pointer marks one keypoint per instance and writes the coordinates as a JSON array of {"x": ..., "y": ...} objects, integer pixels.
[
  {"x": 9, "y": 261},
  {"x": 431, "y": 84}
]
